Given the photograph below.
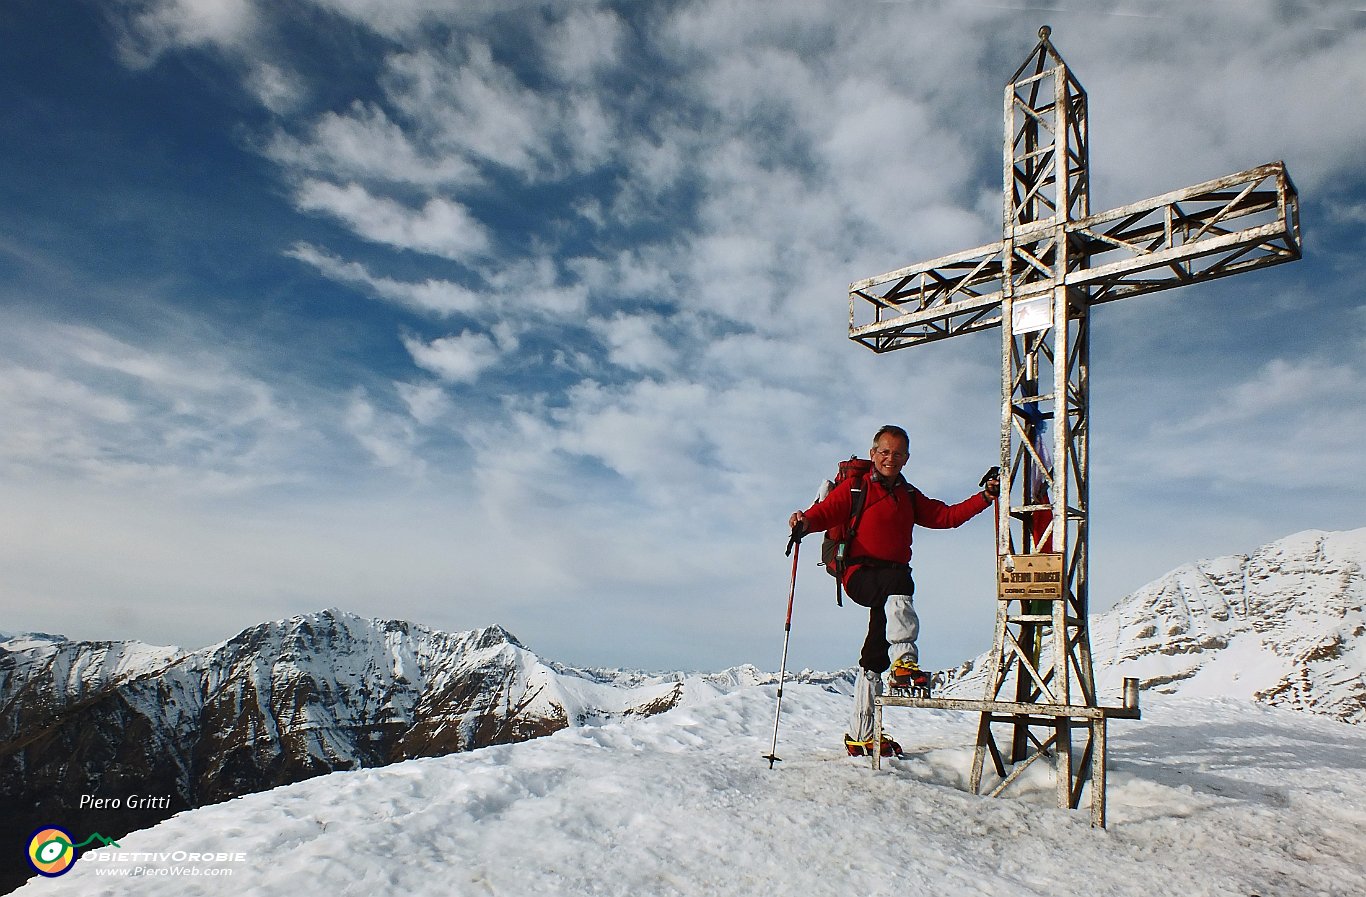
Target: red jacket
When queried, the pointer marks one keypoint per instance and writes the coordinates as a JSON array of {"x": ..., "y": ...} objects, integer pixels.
[{"x": 884, "y": 531}]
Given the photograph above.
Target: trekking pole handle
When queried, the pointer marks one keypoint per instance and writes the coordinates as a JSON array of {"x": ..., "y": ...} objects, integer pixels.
[
  {"x": 798, "y": 530},
  {"x": 992, "y": 475}
]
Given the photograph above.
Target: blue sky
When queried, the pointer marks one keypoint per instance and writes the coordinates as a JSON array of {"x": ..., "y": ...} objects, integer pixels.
[{"x": 535, "y": 313}]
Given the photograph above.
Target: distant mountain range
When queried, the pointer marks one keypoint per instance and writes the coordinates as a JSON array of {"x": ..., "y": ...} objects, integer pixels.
[
  {"x": 1285, "y": 625},
  {"x": 282, "y": 702},
  {"x": 161, "y": 730}
]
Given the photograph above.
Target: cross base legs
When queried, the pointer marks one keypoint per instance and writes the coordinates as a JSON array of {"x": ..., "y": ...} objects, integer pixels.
[{"x": 1072, "y": 777}]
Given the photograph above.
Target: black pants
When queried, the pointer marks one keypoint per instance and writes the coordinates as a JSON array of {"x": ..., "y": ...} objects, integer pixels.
[{"x": 869, "y": 587}]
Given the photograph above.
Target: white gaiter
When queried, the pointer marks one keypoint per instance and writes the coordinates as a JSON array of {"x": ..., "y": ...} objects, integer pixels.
[
  {"x": 903, "y": 628},
  {"x": 867, "y": 686}
]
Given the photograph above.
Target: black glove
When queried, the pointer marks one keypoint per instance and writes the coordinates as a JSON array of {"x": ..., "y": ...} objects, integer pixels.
[{"x": 991, "y": 482}]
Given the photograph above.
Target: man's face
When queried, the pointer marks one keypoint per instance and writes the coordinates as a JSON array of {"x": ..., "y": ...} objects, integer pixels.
[{"x": 889, "y": 454}]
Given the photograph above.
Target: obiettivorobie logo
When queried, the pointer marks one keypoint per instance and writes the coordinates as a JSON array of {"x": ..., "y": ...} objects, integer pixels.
[{"x": 52, "y": 851}]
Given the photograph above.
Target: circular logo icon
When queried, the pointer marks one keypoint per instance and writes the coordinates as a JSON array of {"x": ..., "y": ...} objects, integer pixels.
[{"x": 51, "y": 851}]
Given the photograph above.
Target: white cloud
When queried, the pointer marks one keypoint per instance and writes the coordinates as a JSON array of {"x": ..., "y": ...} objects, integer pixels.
[
  {"x": 1269, "y": 93},
  {"x": 475, "y": 106},
  {"x": 1283, "y": 386},
  {"x": 584, "y": 43},
  {"x": 458, "y": 359},
  {"x": 1296, "y": 424},
  {"x": 405, "y": 18},
  {"x": 278, "y": 90},
  {"x": 388, "y": 438},
  {"x": 431, "y": 296},
  {"x": 634, "y": 274},
  {"x": 153, "y": 27},
  {"x": 649, "y": 432},
  {"x": 80, "y": 402},
  {"x": 38, "y": 389},
  {"x": 516, "y": 297},
  {"x": 441, "y": 227},
  {"x": 634, "y": 342},
  {"x": 365, "y": 143},
  {"x": 535, "y": 284},
  {"x": 689, "y": 446},
  {"x": 1346, "y": 212},
  {"x": 426, "y": 402}
]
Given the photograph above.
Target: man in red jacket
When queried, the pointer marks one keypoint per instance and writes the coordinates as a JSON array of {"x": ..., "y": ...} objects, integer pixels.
[{"x": 877, "y": 567}]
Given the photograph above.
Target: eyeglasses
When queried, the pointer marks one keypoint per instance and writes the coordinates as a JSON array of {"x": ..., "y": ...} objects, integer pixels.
[{"x": 888, "y": 453}]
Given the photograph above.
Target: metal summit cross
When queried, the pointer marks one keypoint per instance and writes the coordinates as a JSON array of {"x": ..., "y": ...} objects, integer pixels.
[{"x": 1055, "y": 261}]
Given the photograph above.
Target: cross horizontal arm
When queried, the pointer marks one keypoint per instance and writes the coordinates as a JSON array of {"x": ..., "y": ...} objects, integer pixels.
[
  {"x": 1225, "y": 226},
  {"x": 1222, "y": 227},
  {"x": 954, "y": 294}
]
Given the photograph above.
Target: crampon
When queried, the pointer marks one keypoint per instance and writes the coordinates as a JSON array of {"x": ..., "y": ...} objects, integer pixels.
[
  {"x": 865, "y": 748},
  {"x": 907, "y": 680}
]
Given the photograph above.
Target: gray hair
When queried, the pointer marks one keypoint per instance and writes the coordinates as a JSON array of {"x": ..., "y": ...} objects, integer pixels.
[{"x": 893, "y": 430}]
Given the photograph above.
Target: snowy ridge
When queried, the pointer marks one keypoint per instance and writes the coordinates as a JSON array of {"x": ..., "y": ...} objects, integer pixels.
[
  {"x": 73, "y": 670},
  {"x": 1205, "y": 797},
  {"x": 1285, "y": 625},
  {"x": 328, "y": 690},
  {"x": 726, "y": 680},
  {"x": 277, "y": 703}
]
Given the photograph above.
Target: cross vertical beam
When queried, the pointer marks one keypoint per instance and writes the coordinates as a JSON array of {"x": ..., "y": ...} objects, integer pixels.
[
  {"x": 1054, "y": 262},
  {"x": 1043, "y": 409}
]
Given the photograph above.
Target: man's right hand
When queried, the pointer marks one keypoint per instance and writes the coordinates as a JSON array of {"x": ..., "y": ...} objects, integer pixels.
[{"x": 798, "y": 519}]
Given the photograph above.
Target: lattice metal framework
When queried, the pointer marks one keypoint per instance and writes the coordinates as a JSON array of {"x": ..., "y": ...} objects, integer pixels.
[{"x": 1054, "y": 262}]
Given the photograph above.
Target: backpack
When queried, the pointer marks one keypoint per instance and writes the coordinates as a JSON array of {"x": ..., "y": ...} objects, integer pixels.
[{"x": 837, "y": 539}]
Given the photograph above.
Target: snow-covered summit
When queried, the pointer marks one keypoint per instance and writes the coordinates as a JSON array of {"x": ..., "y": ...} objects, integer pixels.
[
  {"x": 1285, "y": 625},
  {"x": 1206, "y": 796}
]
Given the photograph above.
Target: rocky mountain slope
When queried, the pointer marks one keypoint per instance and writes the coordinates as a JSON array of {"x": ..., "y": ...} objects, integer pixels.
[{"x": 1284, "y": 625}]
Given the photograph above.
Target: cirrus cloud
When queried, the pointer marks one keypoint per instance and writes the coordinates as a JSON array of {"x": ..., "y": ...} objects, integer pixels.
[{"x": 441, "y": 227}]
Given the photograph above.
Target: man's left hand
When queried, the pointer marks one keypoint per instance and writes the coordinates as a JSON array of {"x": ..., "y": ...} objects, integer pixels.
[{"x": 991, "y": 483}]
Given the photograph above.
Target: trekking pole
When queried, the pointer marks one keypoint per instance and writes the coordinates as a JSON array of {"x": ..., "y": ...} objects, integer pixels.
[{"x": 794, "y": 548}]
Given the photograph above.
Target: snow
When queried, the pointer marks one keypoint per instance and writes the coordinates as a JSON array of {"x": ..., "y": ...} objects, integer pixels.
[
  {"x": 1210, "y": 794},
  {"x": 1207, "y": 796},
  {"x": 27, "y": 641},
  {"x": 1242, "y": 669}
]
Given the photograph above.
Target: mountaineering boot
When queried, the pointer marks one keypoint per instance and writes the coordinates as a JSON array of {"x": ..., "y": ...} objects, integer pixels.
[
  {"x": 865, "y": 748},
  {"x": 906, "y": 675}
]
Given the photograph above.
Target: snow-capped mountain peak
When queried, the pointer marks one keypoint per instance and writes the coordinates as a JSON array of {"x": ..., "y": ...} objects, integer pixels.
[{"x": 1283, "y": 625}]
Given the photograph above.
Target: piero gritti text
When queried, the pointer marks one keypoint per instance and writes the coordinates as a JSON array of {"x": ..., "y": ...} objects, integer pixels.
[{"x": 131, "y": 802}]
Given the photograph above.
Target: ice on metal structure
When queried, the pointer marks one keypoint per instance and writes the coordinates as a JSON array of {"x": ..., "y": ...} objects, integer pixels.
[{"x": 1055, "y": 260}]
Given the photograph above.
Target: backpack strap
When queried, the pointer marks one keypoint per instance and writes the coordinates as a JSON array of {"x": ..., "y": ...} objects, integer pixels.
[{"x": 858, "y": 497}]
